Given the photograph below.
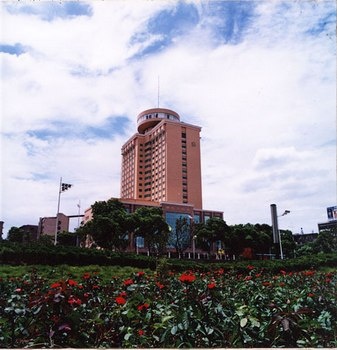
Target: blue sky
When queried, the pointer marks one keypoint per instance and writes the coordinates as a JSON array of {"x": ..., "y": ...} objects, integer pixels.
[{"x": 259, "y": 77}]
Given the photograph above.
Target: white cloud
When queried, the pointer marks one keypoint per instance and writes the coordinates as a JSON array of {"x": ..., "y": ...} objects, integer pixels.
[{"x": 266, "y": 104}]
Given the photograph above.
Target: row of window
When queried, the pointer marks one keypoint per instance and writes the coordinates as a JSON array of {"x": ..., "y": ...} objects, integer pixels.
[
  {"x": 184, "y": 165},
  {"x": 157, "y": 116}
]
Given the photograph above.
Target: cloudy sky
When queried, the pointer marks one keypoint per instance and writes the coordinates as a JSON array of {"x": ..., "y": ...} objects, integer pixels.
[{"x": 259, "y": 77}]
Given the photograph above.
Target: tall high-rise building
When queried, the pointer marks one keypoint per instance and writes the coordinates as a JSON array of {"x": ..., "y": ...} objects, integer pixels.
[
  {"x": 161, "y": 163},
  {"x": 161, "y": 168}
]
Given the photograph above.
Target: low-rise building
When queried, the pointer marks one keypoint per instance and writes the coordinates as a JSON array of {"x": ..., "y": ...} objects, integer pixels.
[{"x": 47, "y": 225}]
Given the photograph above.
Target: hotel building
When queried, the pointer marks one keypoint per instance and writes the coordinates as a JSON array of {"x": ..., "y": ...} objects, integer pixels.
[
  {"x": 161, "y": 163},
  {"x": 161, "y": 167}
]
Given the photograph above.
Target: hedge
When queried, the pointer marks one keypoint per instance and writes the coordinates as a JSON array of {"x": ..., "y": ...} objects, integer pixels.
[{"x": 37, "y": 254}]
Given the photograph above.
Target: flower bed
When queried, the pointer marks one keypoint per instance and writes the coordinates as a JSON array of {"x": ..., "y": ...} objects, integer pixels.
[{"x": 191, "y": 309}]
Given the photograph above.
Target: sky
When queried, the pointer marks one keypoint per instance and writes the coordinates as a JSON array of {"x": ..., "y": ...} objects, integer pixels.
[{"x": 259, "y": 77}]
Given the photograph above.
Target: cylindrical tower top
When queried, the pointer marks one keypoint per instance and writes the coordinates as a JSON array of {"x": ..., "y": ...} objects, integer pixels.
[{"x": 151, "y": 117}]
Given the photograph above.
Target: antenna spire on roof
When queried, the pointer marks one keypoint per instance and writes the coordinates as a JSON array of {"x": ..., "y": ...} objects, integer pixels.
[{"x": 158, "y": 93}]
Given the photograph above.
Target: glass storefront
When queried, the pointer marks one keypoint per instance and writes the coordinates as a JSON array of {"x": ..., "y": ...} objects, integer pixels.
[{"x": 171, "y": 219}]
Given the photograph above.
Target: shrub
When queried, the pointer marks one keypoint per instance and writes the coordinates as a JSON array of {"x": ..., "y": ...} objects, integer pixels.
[{"x": 194, "y": 309}]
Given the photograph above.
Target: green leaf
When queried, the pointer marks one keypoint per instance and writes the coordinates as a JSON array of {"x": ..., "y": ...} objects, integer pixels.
[
  {"x": 127, "y": 336},
  {"x": 243, "y": 322},
  {"x": 254, "y": 321},
  {"x": 174, "y": 330},
  {"x": 166, "y": 318},
  {"x": 19, "y": 311}
]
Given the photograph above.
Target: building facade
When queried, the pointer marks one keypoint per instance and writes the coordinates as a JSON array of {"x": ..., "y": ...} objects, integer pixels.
[
  {"x": 161, "y": 163},
  {"x": 161, "y": 167},
  {"x": 47, "y": 225}
]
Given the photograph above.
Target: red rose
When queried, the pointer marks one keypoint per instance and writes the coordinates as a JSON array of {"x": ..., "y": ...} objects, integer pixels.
[
  {"x": 159, "y": 285},
  {"x": 128, "y": 282},
  {"x": 120, "y": 300},
  {"x": 187, "y": 278},
  {"x": 72, "y": 283},
  {"x": 73, "y": 300},
  {"x": 211, "y": 285}
]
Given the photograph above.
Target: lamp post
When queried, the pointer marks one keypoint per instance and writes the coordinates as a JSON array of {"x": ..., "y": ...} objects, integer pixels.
[
  {"x": 193, "y": 245},
  {"x": 276, "y": 230},
  {"x": 286, "y": 212},
  {"x": 192, "y": 234}
]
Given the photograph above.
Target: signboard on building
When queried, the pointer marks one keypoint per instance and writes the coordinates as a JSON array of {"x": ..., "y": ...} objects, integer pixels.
[{"x": 332, "y": 213}]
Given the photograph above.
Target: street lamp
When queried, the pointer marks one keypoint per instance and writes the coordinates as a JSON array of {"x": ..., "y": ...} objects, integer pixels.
[
  {"x": 193, "y": 245},
  {"x": 276, "y": 230},
  {"x": 192, "y": 234},
  {"x": 286, "y": 212}
]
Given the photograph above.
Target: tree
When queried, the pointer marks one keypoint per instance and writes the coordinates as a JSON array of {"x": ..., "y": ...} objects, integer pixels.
[
  {"x": 18, "y": 235},
  {"x": 149, "y": 223},
  {"x": 46, "y": 240},
  {"x": 326, "y": 242},
  {"x": 67, "y": 239},
  {"x": 263, "y": 239},
  {"x": 288, "y": 243},
  {"x": 110, "y": 226},
  {"x": 215, "y": 229},
  {"x": 180, "y": 236},
  {"x": 237, "y": 239}
]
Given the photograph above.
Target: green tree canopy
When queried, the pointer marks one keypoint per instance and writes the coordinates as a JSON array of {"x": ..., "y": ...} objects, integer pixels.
[
  {"x": 215, "y": 229},
  {"x": 110, "y": 226},
  {"x": 180, "y": 236},
  {"x": 18, "y": 235},
  {"x": 258, "y": 237},
  {"x": 288, "y": 243},
  {"x": 326, "y": 242},
  {"x": 150, "y": 224}
]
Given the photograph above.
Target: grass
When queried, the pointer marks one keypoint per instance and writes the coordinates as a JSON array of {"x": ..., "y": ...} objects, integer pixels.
[
  {"x": 59, "y": 272},
  {"x": 55, "y": 273}
]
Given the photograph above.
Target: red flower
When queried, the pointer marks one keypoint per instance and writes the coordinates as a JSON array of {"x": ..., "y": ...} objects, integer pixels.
[
  {"x": 311, "y": 295},
  {"x": 141, "y": 332},
  {"x": 187, "y": 278},
  {"x": 86, "y": 275},
  {"x": 72, "y": 283},
  {"x": 308, "y": 273},
  {"x": 283, "y": 272},
  {"x": 159, "y": 285},
  {"x": 211, "y": 285},
  {"x": 123, "y": 294},
  {"x": 266, "y": 284},
  {"x": 143, "y": 306},
  {"x": 128, "y": 282},
  {"x": 73, "y": 300},
  {"x": 56, "y": 285},
  {"x": 140, "y": 273},
  {"x": 120, "y": 300},
  {"x": 250, "y": 267},
  {"x": 247, "y": 278}
]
